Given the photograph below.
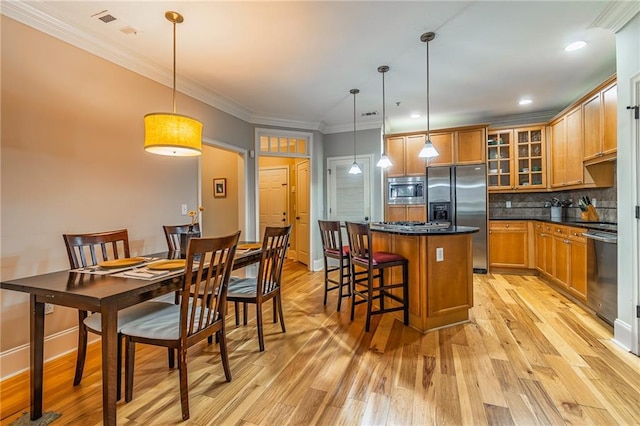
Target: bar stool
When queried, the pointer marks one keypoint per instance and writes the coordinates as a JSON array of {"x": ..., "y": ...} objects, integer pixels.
[
  {"x": 332, "y": 248},
  {"x": 374, "y": 263}
]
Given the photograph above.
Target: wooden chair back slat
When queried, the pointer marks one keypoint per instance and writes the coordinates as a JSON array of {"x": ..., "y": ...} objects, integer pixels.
[
  {"x": 172, "y": 234},
  {"x": 274, "y": 249},
  {"x": 111, "y": 244},
  {"x": 208, "y": 268},
  {"x": 331, "y": 235},
  {"x": 359, "y": 235}
]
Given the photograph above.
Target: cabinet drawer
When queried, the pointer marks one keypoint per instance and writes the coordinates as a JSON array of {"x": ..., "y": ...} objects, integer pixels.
[
  {"x": 575, "y": 234},
  {"x": 507, "y": 225},
  {"x": 558, "y": 230}
]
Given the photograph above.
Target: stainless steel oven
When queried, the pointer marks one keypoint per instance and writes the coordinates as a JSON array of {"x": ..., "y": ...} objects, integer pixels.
[{"x": 405, "y": 190}]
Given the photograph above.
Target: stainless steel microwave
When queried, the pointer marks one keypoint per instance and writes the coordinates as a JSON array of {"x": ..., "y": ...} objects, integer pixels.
[{"x": 406, "y": 190}]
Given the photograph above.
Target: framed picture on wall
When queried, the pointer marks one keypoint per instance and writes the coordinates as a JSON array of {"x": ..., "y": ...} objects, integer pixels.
[{"x": 220, "y": 187}]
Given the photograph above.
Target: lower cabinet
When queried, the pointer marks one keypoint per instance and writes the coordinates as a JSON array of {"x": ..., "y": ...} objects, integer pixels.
[
  {"x": 559, "y": 252},
  {"x": 561, "y": 256},
  {"x": 404, "y": 212},
  {"x": 508, "y": 244}
]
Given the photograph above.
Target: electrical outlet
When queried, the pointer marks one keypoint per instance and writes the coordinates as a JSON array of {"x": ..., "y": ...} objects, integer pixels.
[
  {"x": 48, "y": 308},
  {"x": 508, "y": 204},
  {"x": 439, "y": 254},
  {"x": 184, "y": 210},
  {"x": 594, "y": 202}
]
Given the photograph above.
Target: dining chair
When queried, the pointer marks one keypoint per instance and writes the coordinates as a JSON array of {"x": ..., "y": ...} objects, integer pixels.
[
  {"x": 209, "y": 263},
  {"x": 172, "y": 234},
  {"x": 333, "y": 248},
  {"x": 267, "y": 284},
  {"x": 89, "y": 249},
  {"x": 374, "y": 263}
]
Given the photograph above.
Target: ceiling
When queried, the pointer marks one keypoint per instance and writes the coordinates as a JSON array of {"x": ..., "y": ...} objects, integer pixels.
[{"x": 293, "y": 63}]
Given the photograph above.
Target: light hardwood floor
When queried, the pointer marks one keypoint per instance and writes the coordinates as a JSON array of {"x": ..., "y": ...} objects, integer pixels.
[{"x": 528, "y": 356}]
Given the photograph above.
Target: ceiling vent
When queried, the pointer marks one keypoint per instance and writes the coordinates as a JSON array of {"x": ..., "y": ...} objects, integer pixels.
[
  {"x": 129, "y": 30},
  {"x": 107, "y": 18},
  {"x": 369, "y": 114}
]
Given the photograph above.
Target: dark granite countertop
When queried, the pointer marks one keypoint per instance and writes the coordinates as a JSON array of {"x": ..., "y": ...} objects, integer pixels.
[
  {"x": 451, "y": 230},
  {"x": 601, "y": 226}
]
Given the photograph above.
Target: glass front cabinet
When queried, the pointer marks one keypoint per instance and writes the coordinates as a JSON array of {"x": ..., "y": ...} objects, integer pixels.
[{"x": 516, "y": 159}]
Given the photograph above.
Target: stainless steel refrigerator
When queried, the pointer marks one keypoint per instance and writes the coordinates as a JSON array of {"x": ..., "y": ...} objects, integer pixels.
[{"x": 458, "y": 194}]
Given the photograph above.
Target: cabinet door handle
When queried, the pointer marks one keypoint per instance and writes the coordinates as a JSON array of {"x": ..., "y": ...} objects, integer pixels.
[{"x": 507, "y": 225}]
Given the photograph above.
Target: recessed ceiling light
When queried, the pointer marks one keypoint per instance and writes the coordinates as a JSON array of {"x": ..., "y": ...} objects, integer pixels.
[
  {"x": 525, "y": 101},
  {"x": 575, "y": 46},
  {"x": 415, "y": 115}
]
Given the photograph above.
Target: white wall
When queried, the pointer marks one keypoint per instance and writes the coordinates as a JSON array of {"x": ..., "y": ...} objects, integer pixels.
[{"x": 628, "y": 67}]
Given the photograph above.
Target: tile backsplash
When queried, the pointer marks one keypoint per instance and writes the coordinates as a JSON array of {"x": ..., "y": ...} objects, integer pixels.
[{"x": 531, "y": 204}]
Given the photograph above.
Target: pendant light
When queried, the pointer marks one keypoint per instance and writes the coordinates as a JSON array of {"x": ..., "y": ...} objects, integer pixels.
[
  {"x": 384, "y": 161},
  {"x": 428, "y": 150},
  {"x": 355, "y": 169},
  {"x": 170, "y": 133}
]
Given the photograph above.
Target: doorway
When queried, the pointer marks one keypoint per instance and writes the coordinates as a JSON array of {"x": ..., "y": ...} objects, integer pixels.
[
  {"x": 274, "y": 204},
  {"x": 349, "y": 195},
  {"x": 281, "y": 149}
]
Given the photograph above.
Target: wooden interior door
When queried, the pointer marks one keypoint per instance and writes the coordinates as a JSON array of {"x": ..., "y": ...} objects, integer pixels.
[
  {"x": 274, "y": 209},
  {"x": 303, "y": 184}
]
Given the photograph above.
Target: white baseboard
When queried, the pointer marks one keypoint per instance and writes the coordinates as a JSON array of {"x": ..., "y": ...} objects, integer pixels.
[
  {"x": 622, "y": 334},
  {"x": 16, "y": 360},
  {"x": 318, "y": 264}
]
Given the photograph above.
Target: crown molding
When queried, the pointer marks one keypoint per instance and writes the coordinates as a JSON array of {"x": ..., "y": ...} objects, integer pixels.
[
  {"x": 348, "y": 127},
  {"x": 616, "y": 15},
  {"x": 269, "y": 120}
]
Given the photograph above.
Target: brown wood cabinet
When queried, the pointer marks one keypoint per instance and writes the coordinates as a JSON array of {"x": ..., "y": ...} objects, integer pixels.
[
  {"x": 462, "y": 145},
  {"x": 403, "y": 212},
  {"x": 516, "y": 159},
  {"x": 403, "y": 152},
  {"x": 508, "y": 244},
  {"x": 470, "y": 146},
  {"x": 443, "y": 143},
  {"x": 566, "y": 153},
  {"x": 600, "y": 125},
  {"x": 561, "y": 257}
]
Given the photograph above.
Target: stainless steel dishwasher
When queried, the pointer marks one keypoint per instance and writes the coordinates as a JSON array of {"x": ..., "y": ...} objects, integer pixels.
[{"x": 602, "y": 274}]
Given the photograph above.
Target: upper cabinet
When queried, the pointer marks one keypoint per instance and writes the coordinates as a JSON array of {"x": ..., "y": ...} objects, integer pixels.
[
  {"x": 463, "y": 145},
  {"x": 469, "y": 146},
  {"x": 403, "y": 152},
  {"x": 600, "y": 125},
  {"x": 516, "y": 159},
  {"x": 566, "y": 150}
]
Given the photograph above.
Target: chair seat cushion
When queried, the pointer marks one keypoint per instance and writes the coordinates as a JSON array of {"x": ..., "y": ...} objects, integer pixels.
[
  {"x": 94, "y": 321},
  {"x": 242, "y": 287},
  {"x": 382, "y": 257},
  {"x": 163, "y": 324},
  {"x": 345, "y": 251}
]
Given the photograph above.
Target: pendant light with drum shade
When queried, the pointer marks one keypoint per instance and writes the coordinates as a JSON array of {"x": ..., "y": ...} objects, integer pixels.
[
  {"x": 428, "y": 150},
  {"x": 384, "y": 161},
  {"x": 170, "y": 133},
  {"x": 355, "y": 169}
]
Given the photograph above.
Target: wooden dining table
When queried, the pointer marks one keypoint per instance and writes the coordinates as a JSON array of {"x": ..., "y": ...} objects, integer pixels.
[{"x": 106, "y": 294}]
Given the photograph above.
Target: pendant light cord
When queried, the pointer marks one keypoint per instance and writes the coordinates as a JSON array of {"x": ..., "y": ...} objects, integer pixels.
[
  {"x": 384, "y": 115},
  {"x": 428, "y": 128},
  {"x": 174, "y": 67}
]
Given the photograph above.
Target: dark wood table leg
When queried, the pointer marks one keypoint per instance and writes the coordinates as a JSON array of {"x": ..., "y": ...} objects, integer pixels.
[
  {"x": 36, "y": 353},
  {"x": 109, "y": 363}
]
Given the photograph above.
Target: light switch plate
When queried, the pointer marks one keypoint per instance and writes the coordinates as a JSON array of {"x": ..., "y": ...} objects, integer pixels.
[
  {"x": 439, "y": 254},
  {"x": 184, "y": 210},
  {"x": 508, "y": 204}
]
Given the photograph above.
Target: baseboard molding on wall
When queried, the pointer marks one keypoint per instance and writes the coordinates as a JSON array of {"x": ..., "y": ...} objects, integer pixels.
[
  {"x": 16, "y": 360},
  {"x": 622, "y": 335},
  {"x": 318, "y": 265}
]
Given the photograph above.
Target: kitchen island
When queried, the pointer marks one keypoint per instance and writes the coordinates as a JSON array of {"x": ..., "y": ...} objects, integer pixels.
[{"x": 440, "y": 270}]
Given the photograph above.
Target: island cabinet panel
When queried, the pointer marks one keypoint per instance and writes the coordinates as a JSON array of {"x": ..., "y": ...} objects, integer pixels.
[
  {"x": 440, "y": 292},
  {"x": 442, "y": 297}
]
